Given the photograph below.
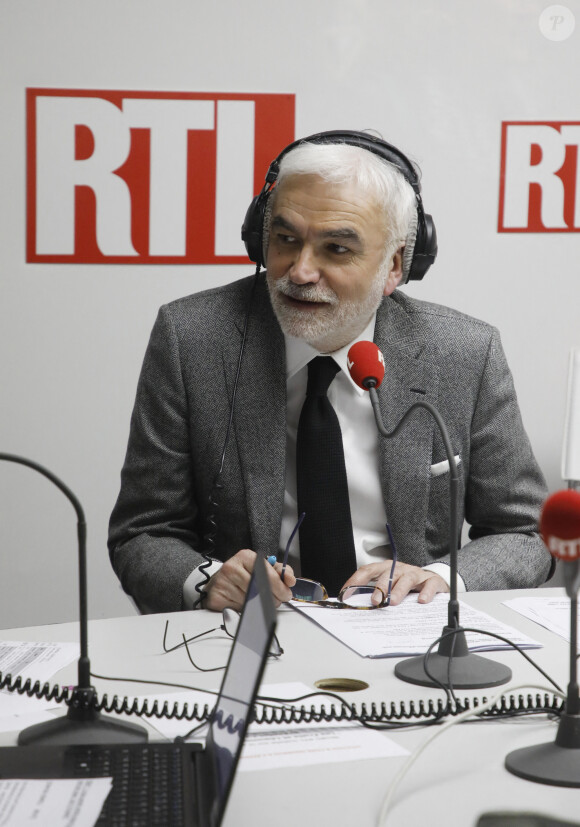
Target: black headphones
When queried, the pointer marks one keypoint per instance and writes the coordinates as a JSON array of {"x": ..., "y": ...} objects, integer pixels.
[{"x": 421, "y": 244}]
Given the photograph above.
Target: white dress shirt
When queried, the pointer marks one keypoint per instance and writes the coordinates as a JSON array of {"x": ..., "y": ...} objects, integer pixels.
[{"x": 360, "y": 441}]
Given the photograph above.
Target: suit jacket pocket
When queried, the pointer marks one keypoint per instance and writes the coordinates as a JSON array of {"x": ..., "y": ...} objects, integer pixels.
[{"x": 437, "y": 523}]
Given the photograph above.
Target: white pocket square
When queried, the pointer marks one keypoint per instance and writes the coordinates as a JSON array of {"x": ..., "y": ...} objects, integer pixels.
[{"x": 443, "y": 467}]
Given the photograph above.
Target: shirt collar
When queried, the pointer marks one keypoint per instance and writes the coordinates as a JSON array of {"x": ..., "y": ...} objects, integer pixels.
[{"x": 299, "y": 353}]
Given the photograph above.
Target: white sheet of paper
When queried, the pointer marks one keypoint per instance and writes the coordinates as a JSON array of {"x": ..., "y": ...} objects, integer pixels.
[
  {"x": 410, "y": 628},
  {"x": 62, "y": 802},
  {"x": 13, "y": 704},
  {"x": 306, "y": 744},
  {"x": 553, "y": 613},
  {"x": 38, "y": 715},
  {"x": 38, "y": 661},
  {"x": 268, "y": 746}
]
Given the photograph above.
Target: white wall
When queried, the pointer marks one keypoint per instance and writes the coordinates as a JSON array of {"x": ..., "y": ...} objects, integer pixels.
[{"x": 434, "y": 78}]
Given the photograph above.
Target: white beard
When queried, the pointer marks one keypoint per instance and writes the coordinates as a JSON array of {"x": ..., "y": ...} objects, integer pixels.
[{"x": 333, "y": 325}]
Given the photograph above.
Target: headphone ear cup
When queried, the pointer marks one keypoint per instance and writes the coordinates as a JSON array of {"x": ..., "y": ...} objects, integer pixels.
[
  {"x": 409, "y": 249},
  {"x": 253, "y": 228},
  {"x": 423, "y": 249}
]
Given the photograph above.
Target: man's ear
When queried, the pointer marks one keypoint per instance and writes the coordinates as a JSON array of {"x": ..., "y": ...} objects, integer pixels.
[{"x": 395, "y": 273}]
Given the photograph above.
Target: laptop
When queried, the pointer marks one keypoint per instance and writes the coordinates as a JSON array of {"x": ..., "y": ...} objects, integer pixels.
[{"x": 196, "y": 779}]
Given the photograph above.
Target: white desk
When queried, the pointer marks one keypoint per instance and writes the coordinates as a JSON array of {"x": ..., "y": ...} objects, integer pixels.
[{"x": 460, "y": 776}]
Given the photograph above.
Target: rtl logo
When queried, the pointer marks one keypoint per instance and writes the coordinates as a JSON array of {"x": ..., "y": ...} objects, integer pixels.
[
  {"x": 564, "y": 549},
  {"x": 540, "y": 178},
  {"x": 147, "y": 177}
]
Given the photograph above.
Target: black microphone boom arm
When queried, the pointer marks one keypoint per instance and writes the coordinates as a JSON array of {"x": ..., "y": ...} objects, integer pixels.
[
  {"x": 83, "y": 723},
  {"x": 453, "y": 611},
  {"x": 453, "y": 662}
]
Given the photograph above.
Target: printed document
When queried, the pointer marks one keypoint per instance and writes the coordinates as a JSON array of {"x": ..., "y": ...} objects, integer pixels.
[
  {"x": 409, "y": 628},
  {"x": 62, "y": 802},
  {"x": 552, "y": 613},
  {"x": 38, "y": 661}
]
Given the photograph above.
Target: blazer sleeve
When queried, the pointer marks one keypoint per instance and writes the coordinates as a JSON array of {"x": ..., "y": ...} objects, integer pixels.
[
  {"x": 504, "y": 490},
  {"x": 152, "y": 535}
]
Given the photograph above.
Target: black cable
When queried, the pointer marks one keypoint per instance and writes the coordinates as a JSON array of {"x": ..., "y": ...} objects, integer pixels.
[
  {"x": 400, "y": 715},
  {"x": 434, "y": 713},
  {"x": 209, "y": 537},
  {"x": 84, "y": 666},
  {"x": 489, "y": 634}
]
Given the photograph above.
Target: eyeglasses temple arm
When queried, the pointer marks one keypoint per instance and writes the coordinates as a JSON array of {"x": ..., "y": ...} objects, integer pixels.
[
  {"x": 289, "y": 543},
  {"x": 179, "y": 645}
]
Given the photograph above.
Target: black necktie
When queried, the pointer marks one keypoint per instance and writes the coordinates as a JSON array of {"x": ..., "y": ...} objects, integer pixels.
[{"x": 326, "y": 543}]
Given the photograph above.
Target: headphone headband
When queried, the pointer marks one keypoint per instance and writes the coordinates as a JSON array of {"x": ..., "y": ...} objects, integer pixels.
[
  {"x": 423, "y": 242},
  {"x": 362, "y": 140}
]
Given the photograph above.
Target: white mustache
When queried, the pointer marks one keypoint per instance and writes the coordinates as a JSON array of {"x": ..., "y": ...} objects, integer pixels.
[{"x": 306, "y": 292}]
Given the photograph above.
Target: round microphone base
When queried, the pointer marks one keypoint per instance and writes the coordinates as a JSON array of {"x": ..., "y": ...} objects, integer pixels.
[
  {"x": 453, "y": 664},
  {"x": 97, "y": 730},
  {"x": 556, "y": 763},
  {"x": 469, "y": 672},
  {"x": 546, "y": 764}
]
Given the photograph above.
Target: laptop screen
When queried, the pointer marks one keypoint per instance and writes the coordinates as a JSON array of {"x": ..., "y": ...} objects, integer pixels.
[{"x": 240, "y": 685}]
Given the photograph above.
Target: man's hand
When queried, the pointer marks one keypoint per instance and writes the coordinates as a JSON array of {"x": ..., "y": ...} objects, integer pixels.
[
  {"x": 228, "y": 586},
  {"x": 405, "y": 579}
]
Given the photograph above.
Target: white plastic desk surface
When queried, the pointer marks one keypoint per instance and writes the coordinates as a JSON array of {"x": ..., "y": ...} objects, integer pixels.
[{"x": 460, "y": 775}]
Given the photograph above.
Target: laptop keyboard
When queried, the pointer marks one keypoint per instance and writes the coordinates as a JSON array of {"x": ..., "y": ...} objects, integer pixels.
[{"x": 147, "y": 782}]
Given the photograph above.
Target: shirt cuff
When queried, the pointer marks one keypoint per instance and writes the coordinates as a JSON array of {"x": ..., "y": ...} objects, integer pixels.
[
  {"x": 444, "y": 571},
  {"x": 191, "y": 597}
]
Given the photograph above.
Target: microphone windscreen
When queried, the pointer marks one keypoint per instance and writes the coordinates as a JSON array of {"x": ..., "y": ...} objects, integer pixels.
[
  {"x": 571, "y": 441},
  {"x": 560, "y": 524},
  {"x": 366, "y": 364}
]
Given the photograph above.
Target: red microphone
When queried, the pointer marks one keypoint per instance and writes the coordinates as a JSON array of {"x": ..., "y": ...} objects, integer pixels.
[
  {"x": 366, "y": 365},
  {"x": 560, "y": 524}
]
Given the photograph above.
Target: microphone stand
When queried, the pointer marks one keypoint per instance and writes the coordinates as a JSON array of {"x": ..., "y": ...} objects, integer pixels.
[
  {"x": 83, "y": 723},
  {"x": 558, "y": 763},
  {"x": 453, "y": 663}
]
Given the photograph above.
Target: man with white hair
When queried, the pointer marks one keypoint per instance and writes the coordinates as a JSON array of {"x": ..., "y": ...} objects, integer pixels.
[{"x": 214, "y": 471}]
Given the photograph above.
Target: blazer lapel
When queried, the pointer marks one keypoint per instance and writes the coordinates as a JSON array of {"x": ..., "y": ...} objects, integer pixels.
[
  {"x": 260, "y": 417},
  {"x": 405, "y": 459}
]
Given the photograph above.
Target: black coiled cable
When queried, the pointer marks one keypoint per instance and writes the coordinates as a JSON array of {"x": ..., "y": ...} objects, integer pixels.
[{"x": 265, "y": 713}]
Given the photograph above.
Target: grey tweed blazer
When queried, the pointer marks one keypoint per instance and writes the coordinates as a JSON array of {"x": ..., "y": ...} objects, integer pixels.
[{"x": 433, "y": 353}]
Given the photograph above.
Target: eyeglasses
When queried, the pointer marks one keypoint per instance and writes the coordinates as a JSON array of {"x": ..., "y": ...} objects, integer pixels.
[
  {"x": 350, "y": 597},
  {"x": 231, "y": 620}
]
